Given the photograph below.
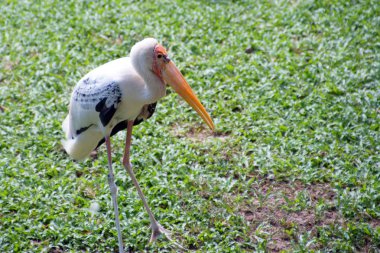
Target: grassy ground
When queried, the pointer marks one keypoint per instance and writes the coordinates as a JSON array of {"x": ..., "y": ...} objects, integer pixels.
[{"x": 294, "y": 90}]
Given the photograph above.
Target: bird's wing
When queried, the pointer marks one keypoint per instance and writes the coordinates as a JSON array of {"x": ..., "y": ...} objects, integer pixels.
[{"x": 93, "y": 99}]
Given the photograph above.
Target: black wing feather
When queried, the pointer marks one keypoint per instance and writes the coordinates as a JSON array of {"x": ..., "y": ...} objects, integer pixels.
[
  {"x": 105, "y": 113},
  {"x": 105, "y": 98}
]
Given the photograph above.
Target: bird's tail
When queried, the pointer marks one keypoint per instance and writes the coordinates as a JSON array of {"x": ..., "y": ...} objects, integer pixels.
[{"x": 80, "y": 146}]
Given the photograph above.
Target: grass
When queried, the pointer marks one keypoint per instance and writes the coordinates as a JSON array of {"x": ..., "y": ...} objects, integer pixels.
[{"x": 294, "y": 90}]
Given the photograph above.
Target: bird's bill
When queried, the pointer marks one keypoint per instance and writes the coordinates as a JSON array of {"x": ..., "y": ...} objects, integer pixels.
[{"x": 175, "y": 79}]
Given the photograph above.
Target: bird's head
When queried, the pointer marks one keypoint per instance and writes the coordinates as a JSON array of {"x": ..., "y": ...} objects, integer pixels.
[{"x": 156, "y": 58}]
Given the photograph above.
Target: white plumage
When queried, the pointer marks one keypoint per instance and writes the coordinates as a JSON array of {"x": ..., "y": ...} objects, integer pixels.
[
  {"x": 118, "y": 95},
  {"x": 137, "y": 84}
]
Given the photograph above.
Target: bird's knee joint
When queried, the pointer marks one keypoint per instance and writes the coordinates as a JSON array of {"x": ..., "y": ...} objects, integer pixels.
[
  {"x": 112, "y": 184},
  {"x": 113, "y": 188},
  {"x": 127, "y": 165}
]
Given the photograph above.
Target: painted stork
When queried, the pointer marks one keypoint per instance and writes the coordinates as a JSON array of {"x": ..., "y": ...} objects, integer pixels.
[{"x": 118, "y": 95}]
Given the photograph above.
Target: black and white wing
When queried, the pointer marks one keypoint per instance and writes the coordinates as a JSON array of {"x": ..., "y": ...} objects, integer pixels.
[
  {"x": 103, "y": 97},
  {"x": 93, "y": 101}
]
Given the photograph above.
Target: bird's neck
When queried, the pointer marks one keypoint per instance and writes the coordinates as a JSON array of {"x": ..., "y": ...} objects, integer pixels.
[{"x": 155, "y": 87}]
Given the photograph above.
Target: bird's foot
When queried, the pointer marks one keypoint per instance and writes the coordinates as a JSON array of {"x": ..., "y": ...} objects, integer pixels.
[{"x": 158, "y": 230}]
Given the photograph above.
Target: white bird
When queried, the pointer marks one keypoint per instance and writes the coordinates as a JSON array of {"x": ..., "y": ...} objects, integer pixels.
[{"x": 118, "y": 95}]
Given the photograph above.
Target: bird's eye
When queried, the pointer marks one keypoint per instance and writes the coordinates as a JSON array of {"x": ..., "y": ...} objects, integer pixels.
[{"x": 159, "y": 56}]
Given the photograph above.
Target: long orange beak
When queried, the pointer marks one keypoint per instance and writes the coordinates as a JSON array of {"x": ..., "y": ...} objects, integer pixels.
[{"x": 175, "y": 79}]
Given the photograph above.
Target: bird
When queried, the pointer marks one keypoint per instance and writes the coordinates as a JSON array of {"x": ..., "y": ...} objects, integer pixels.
[{"x": 116, "y": 96}]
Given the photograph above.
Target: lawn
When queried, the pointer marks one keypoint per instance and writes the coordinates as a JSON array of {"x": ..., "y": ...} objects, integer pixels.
[{"x": 292, "y": 86}]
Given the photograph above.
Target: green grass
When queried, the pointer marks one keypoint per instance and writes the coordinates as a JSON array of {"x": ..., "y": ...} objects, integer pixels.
[{"x": 294, "y": 90}]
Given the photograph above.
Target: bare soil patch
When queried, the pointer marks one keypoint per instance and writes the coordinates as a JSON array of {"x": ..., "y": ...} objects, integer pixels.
[
  {"x": 197, "y": 133},
  {"x": 279, "y": 221}
]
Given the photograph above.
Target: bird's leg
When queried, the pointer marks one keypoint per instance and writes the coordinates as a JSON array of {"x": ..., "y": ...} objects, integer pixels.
[
  {"x": 157, "y": 229},
  {"x": 113, "y": 188}
]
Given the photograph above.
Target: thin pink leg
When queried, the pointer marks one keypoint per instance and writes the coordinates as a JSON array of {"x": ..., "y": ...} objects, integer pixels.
[
  {"x": 113, "y": 188},
  {"x": 157, "y": 229}
]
